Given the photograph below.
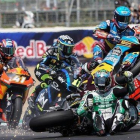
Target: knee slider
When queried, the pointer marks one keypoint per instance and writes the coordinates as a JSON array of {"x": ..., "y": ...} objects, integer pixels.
[{"x": 119, "y": 117}]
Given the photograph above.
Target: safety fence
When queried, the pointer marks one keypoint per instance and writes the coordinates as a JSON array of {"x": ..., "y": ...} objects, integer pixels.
[{"x": 56, "y": 12}]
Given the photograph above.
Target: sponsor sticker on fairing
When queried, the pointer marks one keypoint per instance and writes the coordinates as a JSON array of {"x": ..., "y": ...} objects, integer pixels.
[{"x": 116, "y": 51}]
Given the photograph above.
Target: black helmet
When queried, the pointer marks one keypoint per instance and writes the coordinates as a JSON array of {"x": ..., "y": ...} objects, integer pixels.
[{"x": 65, "y": 44}]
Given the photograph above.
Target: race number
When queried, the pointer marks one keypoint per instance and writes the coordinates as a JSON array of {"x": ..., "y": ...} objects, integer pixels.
[{"x": 20, "y": 79}]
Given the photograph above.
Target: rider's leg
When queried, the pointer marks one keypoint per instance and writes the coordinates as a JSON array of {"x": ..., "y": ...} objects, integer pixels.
[
  {"x": 42, "y": 77},
  {"x": 118, "y": 121},
  {"x": 98, "y": 123},
  {"x": 98, "y": 53},
  {"x": 35, "y": 93}
]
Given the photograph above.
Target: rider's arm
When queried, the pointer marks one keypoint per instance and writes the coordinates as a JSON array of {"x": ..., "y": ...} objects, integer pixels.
[
  {"x": 103, "y": 30},
  {"x": 50, "y": 54},
  {"x": 75, "y": 61},
  {"x": 105, "y": 26},
  {"x": 130, "y": 88},
  {"x": 120, "y": 92}
]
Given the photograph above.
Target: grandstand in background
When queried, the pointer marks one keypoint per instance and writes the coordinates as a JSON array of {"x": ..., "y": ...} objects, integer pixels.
[{"x": 67, "y": 13}]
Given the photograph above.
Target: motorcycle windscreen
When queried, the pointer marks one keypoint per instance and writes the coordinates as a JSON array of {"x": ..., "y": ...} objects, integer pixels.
[{"x": 16, "y": 62}]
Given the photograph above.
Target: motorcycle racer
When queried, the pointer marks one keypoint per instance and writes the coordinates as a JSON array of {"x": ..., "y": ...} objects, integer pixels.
[
  {"x": 110, "y": 32},
  {"x": 59, "y": 56},
  {"x": 7, "y": 52},
  {"x": 106, "y": 103}
]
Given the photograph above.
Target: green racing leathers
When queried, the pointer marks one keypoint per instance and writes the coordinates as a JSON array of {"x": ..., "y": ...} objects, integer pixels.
[{"x": 107, "y": 109}]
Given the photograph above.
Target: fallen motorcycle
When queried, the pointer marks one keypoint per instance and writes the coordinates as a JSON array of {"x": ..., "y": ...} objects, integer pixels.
[
  {"x": 65, "y": 121},
  {"x": 52, "y": 96}
]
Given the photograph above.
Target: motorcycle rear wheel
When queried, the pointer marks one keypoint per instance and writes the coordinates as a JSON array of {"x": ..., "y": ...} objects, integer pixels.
[{"x": 52, "y": 119}]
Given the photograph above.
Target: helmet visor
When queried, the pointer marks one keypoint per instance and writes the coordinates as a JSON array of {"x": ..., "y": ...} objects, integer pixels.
[
  {"x": 67, "y": 50},
  {"x": 9, "y": 51},
  {"x": 124, "y": 19},
  {"x": 101, "y": 82}
]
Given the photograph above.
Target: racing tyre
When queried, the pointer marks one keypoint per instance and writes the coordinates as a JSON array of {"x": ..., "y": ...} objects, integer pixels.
[
  {"x": 52, "y": 119},
  {"x": 15, "y": 113}
]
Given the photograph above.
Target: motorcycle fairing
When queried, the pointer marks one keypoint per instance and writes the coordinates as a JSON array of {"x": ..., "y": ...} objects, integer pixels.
[
  {"x": 43, "y": 100},
  {"x": 113, "y": 57},
  {"x": 16, "y": 76},
  {"x": 130, "y": 39},
  {"x": 129, "y": 60}
]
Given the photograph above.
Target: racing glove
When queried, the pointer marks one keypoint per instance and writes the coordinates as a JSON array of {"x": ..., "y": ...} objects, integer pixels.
[
  {"x": 51, "y": 72},
  {"x": 130, "y": 81},
  {"x": 5, "y": 68},
  {"x": 89, "y": 66},
  {"x": 116, "y": 39},
  {"x": 129, "y": 76}
]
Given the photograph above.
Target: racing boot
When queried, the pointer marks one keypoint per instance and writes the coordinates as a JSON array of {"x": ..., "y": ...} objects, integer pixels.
[{"x": 118, "y": 124}]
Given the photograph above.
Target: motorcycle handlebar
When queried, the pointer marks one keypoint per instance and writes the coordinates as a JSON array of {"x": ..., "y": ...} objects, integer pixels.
[
  {"x": 73, "y": 96},
  {"x": 135, "y": 70}
]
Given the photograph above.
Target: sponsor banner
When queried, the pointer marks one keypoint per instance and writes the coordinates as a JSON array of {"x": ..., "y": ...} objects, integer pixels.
[{"x": 32, "y": 45}]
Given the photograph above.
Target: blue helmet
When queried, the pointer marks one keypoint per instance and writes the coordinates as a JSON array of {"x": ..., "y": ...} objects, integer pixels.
[
  {"x": 65, "y": 44},
  {"x": 102, "y": 81},
  {"x": 122, "y": 17}
]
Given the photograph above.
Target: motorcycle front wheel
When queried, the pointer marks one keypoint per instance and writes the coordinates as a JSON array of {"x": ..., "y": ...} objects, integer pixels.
[{"x": 15, "y": 113}]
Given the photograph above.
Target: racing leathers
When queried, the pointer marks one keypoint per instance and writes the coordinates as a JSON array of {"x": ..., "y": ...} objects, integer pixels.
[
  {"x": 107, "y": 111},
  {"x": 47, "y": 68}
]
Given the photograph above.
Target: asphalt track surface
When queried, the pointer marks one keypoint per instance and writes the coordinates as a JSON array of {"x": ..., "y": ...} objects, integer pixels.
[{"x": 19, "y": 134}]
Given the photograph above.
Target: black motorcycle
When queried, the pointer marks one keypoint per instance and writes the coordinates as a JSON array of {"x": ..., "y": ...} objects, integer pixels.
[
  {"x": 53, "y": 96},
  {"x": 65, "y": 120}
]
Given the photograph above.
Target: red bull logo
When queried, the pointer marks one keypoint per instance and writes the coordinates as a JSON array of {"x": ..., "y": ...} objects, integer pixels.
[
  {"x": 35, "y": 49},
  {"x": 85, "y": 47}
]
